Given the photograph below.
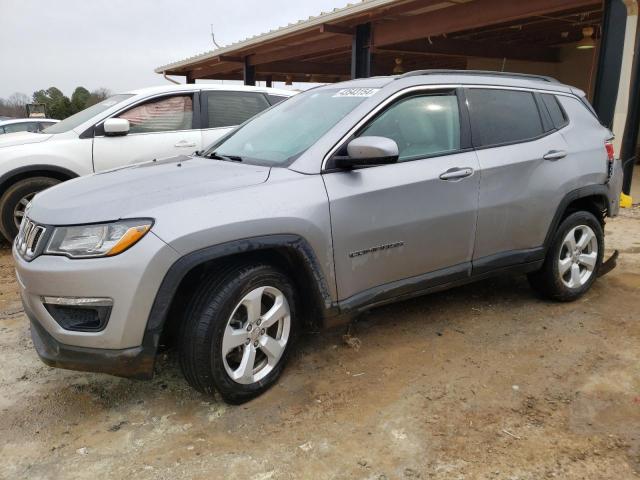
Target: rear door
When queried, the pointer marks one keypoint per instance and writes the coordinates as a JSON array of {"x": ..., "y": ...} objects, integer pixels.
[
  {"x": 523, "y": 159},
  {"x": 416, "y": 217},
  {"x": 159, "y": 127},
  {"x": 223, "y": 110}
]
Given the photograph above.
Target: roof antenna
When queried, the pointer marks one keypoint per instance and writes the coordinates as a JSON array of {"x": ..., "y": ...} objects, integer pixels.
[{"x": 213, "y": 38}]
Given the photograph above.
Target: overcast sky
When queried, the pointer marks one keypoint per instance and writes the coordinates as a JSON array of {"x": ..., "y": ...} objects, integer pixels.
[{"x": 118, "y": 43}]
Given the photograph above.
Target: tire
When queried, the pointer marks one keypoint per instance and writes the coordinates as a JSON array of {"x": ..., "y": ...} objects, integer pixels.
[
  {"x": 10, "y": 203},
  {"x": 566, "y": 275},
  {"x": 225, "y": 302}
]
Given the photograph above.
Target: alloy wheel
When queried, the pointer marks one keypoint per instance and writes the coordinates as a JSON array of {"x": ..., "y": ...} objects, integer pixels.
[
  {"x": 19, "y": 209},
  {"x": 578, "y": 256},
  {"x": 256, "y": 335}
]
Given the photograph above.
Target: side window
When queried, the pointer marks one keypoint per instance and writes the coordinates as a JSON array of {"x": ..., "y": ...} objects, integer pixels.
[
  {"x": 558, "y": 116},
  {"x": 503, "y": 116},
  {"x": 161, "y": 115},
  {"x": 228, "y": 109},
  {"x": 422, "y": 126}
]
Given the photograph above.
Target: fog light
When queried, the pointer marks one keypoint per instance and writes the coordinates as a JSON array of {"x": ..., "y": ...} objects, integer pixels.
[{"x": 80, "y": 314}]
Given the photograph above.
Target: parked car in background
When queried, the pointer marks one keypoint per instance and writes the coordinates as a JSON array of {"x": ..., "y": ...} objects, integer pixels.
[
  {"x": 345, "y": 197},
  {"x": 33, "y": 125},
  {"x": 123, "y": 129}
]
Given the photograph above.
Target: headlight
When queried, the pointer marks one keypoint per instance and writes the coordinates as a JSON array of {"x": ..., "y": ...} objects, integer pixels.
[{"x": 98, "y": 240}]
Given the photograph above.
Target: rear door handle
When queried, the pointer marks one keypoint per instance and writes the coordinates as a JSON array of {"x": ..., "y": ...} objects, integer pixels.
[
  {"x": 185, "y": 144},
  {"x": 554, "y": 155},
  {"x": 456, "y": 173}
]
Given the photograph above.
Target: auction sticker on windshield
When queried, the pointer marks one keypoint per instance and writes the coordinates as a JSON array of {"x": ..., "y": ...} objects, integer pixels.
[{"x": 356, "y": 92}]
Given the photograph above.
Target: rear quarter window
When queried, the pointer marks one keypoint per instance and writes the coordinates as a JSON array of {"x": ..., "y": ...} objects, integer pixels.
[
  {"x": 558, "y": 116},
  {"x": 578, "y": 112},
  {"x": 273, "y": 99},
  {"x": 584, "y": 132},
  {"x": 501, "y": 117}
]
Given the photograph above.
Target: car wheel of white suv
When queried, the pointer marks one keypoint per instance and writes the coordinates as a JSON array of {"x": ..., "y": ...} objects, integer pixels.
[
  {"x": 237, "y": 332},
  {"x": 573, "y": 259},
  {"x": 15, "y": 200}
]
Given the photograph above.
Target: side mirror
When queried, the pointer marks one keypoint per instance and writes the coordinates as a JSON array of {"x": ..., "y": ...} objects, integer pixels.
[
  {"x": 114, "y": 127},
  {"x": 368, "y": 151}
]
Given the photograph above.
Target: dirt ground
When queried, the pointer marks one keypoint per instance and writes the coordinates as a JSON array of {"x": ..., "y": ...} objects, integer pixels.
[{"x": 484, "y": 381}]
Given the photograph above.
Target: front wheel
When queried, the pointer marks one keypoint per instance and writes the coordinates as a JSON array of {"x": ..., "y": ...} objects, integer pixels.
[
  {"x": 15, "y": 200},
  {"x": 237, "y": 332},
  {"x": 573, "y": 259}
]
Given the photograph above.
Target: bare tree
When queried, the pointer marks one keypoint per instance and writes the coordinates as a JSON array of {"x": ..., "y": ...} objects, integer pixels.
[
  {"x": 14, "y": 106},
  {"x": 98, "y": 95}
]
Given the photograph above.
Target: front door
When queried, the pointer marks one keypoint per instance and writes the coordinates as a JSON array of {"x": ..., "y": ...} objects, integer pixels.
[
  {"x": 160, "y": 127},
  {"x": 416, "y": 217}
]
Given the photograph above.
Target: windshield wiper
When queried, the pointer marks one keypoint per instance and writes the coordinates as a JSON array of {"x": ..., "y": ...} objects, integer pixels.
[{"x": 227, "y": 158}]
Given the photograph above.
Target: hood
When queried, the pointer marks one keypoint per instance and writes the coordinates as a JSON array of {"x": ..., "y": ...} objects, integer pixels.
[
  {"x": 132, "y": 191},
  {"x": 22, "y": 138}
]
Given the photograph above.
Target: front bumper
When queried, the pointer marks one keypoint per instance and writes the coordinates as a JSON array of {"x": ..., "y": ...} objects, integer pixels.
[
  {"x": 136, "y": 362},
  {"x": 131, "y": 280}
]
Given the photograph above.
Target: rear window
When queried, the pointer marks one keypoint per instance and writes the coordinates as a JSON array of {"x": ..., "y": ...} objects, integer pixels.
[
  {"x": 503, "y": 116},
  {"x": 558, "y": 116}
]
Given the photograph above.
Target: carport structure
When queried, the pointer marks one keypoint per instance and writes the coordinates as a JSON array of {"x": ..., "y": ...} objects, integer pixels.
[{"x": 382, "y": 37}]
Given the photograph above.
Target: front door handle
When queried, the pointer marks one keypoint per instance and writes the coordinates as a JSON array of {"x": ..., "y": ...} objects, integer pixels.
[
  {"x": 456, "y": 173},
  {"x": 554, "y": 155},
  {"x": 185, "y": 144}
]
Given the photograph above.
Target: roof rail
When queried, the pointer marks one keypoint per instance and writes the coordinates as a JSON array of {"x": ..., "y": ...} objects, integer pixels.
[{"x": 491, "y": 73}]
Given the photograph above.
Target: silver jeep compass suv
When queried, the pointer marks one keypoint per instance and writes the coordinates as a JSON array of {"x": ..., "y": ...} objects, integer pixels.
[{"x": 334, "y": 201}]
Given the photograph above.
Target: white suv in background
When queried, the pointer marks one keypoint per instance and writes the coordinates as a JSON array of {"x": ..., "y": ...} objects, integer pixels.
[{"x": 127, "y": 128}]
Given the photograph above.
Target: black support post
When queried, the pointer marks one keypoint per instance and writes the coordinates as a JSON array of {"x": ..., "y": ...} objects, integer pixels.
[
  {"x": 190, "y": 79},
  {"x": 269, "y": 81},
  {"x": 632, "y": 125},
  {"x": 361, "y": 52},
  {"x": 249, "y": 73},
  {"x": 610, "y": 60}
]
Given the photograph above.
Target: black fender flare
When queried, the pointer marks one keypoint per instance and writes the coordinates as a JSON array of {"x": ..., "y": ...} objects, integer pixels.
[
  {"x": 42, "y": 168},
  {"x": 181, "y": 267},
  {"x": 572, "y": 196}
]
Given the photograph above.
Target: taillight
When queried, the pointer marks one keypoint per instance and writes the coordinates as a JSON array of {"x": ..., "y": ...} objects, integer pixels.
[
  {"x": 610, "y": 152},
  {"x": 608, "y": 145}
]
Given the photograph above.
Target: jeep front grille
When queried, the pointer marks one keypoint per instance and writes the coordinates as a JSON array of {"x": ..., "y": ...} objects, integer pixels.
[{"x": 29, "y": 238}]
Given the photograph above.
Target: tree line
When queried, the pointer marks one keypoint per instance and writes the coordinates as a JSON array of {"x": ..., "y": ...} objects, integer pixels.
[{"x": 58, "y": 105}]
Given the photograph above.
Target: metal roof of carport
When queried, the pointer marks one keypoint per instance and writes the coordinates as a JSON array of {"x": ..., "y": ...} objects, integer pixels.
[
  {"x": 281, "y": 32},
  {"x": 322, "y": 45}
]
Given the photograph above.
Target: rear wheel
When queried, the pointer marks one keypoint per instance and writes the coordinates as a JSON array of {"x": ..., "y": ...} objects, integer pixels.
[
  {"x": 573, "y": 259},
  {"x": 238, "y": 331},
  {"x": 15, "y": 200}
]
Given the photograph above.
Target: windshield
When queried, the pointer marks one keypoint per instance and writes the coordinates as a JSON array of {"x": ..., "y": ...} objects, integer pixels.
[
  {"x": 79, "y": 118},
  {"x": 279, "y": 135}
]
